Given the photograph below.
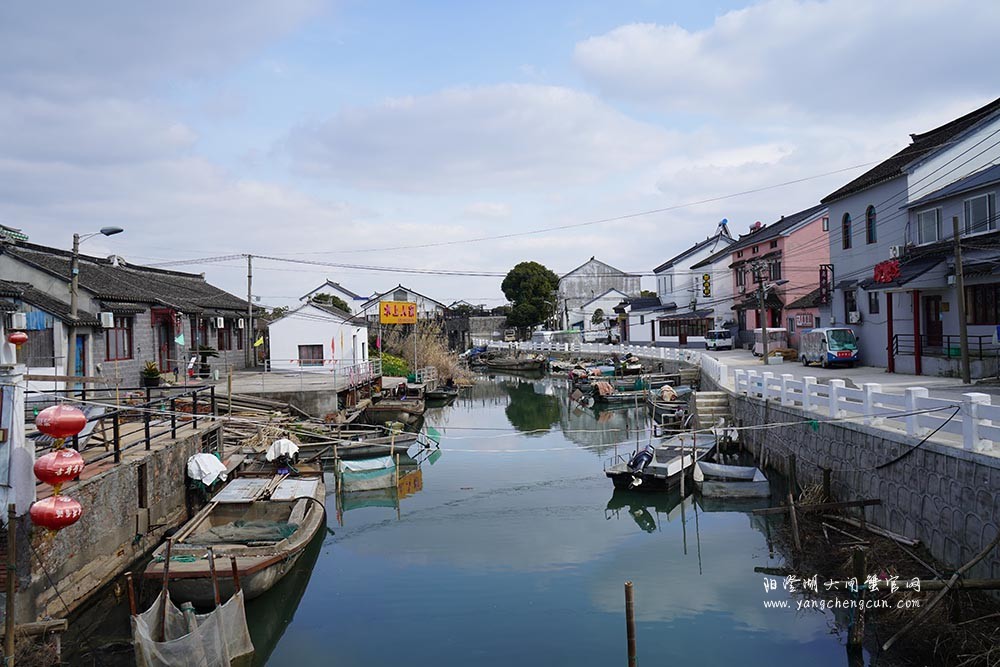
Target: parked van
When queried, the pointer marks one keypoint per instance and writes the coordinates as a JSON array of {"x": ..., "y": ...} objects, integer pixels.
[
  {"x": 828, "y": 345},
  {"x": 776, "y": 338},
  {"x": 509, "y": 335},
  {"x": 719, "y": 339}
]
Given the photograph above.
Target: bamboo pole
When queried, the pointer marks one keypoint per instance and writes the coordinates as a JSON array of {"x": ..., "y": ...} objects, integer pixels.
[
  {"x": 8, "y": 639},
  {"x": 856, "y": 632},
  {"x": 165, "y": 593},
  {"x": 131, "y": 594},
  {"x": 236, "y": 574},
  {"x": 215, "y": 578}
]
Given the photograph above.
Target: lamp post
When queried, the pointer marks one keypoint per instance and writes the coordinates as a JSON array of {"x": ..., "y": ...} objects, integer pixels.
[{"x": 74, "y": 269}]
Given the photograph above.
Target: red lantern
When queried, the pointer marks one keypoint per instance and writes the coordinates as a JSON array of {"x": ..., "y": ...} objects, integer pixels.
[
  {"x": 60, "y": 421},
  {"x": 56, "y": 512},
  {"x": 59, "y": 466},
  {"x": 18, "y": 338}
]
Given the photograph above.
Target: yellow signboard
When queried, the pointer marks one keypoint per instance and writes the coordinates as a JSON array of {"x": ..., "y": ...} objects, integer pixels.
[{"x": 397, "y": 312}]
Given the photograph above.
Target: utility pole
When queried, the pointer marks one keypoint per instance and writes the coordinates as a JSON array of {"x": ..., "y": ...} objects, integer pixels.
[
  {"x": 251, "y": 352},
  {"x": 758, "y": 272},
  {"x": 963, "y": 328}
]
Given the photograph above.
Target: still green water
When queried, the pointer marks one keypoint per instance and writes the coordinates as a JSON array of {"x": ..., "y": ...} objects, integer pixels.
[{"x": 516, "y": 550}]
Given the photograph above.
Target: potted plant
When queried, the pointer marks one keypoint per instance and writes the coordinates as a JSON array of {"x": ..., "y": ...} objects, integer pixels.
[
  {"x": 150, "y": 374},
  {"x": 205, "y": 352}
]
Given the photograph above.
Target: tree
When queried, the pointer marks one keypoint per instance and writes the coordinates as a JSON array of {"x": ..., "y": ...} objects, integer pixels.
[
  {"x": 531, "y": 289},
  {"x": 647, "y": 292},
  {"x": 597, "y": 318},
  {"x": 331, "y": 300},
  {"x": 273, "y": 314}
]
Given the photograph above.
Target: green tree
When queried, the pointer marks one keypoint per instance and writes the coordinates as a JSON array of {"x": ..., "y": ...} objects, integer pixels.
[
  {"x": 331, "y": 300},
  {"x": 647, "y": 292},
  {"x": 598, "y": 317},
  {"x": 531, "y": 289}
]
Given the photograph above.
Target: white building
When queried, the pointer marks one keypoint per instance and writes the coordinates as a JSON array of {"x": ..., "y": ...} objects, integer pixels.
[
  {"x": 606, "y": 304},
  {"x": 427, "y": 308},
  {"x": 638, "y": 316},
  {"x": 317, "y": 337},
  {"x": 590, "y": 281}
]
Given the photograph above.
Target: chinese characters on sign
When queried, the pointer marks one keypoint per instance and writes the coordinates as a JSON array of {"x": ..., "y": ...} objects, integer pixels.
[{"x": 397, "y": 312}]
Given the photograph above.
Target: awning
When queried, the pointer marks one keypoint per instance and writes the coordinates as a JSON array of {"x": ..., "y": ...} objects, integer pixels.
[
  {"x": 846, "y": 284},
  {"x": 687, "y": 315},
  {"x": 122, "y": 307},
  {"x": 750, "y": 302},
  {"x": 907, "y": 272}
]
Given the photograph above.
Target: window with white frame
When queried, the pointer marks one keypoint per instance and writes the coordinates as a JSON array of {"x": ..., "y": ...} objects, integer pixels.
[
  {"x": 929, "y": 226},
  {"x": 980, "y": 214},
  {"x": 741, "y": 277}
]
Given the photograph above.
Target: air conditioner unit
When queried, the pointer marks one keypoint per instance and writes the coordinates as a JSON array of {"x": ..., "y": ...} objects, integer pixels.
[
  {"x": 854, "y": 317},
  {"x": 220, "y": 322},
  {"x": 18, "y": 321},
  {"x": 895, "y": 251},
  {"x": 240, "y": 324},
  {"x": 107, "y": 320}
]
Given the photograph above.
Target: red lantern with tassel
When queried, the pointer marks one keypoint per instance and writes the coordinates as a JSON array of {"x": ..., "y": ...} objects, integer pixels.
[
  {"x": 18, "y": 338},
  {"x": 56, "y": 512},
  {"x": 60, "y": 421},
  {"x": 59, "y": 466}
]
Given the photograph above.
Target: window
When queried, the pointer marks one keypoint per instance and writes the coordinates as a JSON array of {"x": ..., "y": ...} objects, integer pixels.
[
  {"x": 775, "y": 269},
  {"x": 201, "y": 333},
  {"x": 225, "y": 338},
  {"x": 310, "y": 355},
  {"x": 686, "y": 327},
  {"x": 791, "y": 325},
  {"x": 754, "y": 250},
  {"x": 741, "y": 277},
  {"x": 845, "y": 231},
  {"x": 980, "y": 214},
  {"x": 39, "y": 351},
  {"x": 850, "y": 304},
  {"x": 826, "y": 223},
  {"x": 399, "y": 295},
  {"x": 871, "y": 236},
  {"x": 873, "y": 303},
  {"x": 739, "y": 253},
  {"x": 642, "y": 319},
  {"x": 929, "y": 226},
  {"x": 774, "y": 244},
  {"x": 118, "y": 340},
  {"x": 981, "y": 304}
]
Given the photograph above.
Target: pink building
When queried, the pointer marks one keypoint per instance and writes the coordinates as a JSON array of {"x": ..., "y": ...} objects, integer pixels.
[{"x": 791, "y": 249}]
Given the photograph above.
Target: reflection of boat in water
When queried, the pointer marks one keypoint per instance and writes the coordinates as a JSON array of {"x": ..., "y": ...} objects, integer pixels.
[
  {"x": 660, "y": 466},
  {"x": 724, "y": 481},
  {"x": 643, "y": 505},
  {"x": 529, "y": 363},
  {"x": 269, "y": 615},
  {"x": 264, "y": 522}
]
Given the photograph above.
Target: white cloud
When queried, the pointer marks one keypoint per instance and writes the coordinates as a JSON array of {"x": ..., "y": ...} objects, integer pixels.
[
  {"x": 484, "y": 210},
  {"x": 837, "y": 58},
  {"x": 488, "y": 137}
]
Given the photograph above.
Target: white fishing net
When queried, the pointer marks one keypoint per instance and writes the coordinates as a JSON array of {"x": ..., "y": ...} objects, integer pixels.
[{"x": 218, "y": 637}]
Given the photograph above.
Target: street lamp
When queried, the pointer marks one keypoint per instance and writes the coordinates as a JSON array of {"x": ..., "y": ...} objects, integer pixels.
[
  {"x": 74, "y": 267},
  {"x": 761, "y": 294}
]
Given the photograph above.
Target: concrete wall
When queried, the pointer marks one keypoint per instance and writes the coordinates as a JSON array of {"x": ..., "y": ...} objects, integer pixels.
[
  {"x": 946, "y": 497},
  {"x": 587, "y": 282},
  {"x": 309, "y": 325},
  {"x": 487, "y": 326},
  {"x": 966, "y": 155},
  {"x": 87, "y": 555}
]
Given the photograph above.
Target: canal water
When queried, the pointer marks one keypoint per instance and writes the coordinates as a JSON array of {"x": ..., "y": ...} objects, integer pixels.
[{"x": 510, "y": 546}]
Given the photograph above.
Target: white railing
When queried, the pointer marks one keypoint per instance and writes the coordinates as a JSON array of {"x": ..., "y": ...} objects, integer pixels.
[
  {"x": 972, "y": 418},
  {"x": 977, "y": 421},
  {"x": 426, "y": 375},
  {"x": 349, "y": 374}
]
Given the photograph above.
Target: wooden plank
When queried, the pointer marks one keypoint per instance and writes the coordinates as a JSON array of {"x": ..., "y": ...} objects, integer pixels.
[
  {"x": 84, "y": 379},
  {"x": 819, "y": 507}
]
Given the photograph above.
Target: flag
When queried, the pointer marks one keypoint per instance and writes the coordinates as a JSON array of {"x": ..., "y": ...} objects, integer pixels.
[
  {"x": 259, "y": 341},
  {"x": 180, "y": 339},
  {"x": 378, "y": 339}
]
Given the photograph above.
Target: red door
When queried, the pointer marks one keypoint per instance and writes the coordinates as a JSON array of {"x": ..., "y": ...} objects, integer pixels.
[{"x": 933, "y": 327}]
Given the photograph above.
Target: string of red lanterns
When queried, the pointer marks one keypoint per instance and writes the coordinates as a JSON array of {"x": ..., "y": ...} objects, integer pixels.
[{"x": 58, "y": 467}]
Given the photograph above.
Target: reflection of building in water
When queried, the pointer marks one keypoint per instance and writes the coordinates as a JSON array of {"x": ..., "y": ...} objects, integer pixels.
[{"x": 601, "y": 430}]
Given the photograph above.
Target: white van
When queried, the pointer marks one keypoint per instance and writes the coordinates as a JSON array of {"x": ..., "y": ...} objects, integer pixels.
[
  {"x": 719, "y": 339},
  {"x": 828, "y": 345}
]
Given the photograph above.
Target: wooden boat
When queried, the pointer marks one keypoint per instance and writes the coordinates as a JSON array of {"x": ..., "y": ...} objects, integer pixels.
[
  {"x": 406, "y": 410},
  {"x": 667, "y": 461},
  {"x": 441, "y": 394},
  {"x": 366, "y": 474},
  {"x": 724, "y": 481},
  {"x": 264, "y": 522},
  {"x": 531, "y": 363}
]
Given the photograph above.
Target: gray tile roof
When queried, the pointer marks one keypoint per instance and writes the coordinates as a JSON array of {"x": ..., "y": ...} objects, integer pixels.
[
  {"x": 186, "y": 292},
  {"x": 921, "y": 146},
  {"x": 60, "y": 309},
  {"x": 980, "y": 179}
]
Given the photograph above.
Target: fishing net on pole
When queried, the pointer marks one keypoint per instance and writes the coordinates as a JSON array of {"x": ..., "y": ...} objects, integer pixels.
[{"x": 215, "y": 640}]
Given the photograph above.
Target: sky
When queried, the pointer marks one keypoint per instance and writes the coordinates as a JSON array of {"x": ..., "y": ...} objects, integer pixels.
[{"x": 448, "y": 136}]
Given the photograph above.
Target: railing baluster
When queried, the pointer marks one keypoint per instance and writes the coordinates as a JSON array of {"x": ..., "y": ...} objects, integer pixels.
[
  {"x": 145, "y": 418},
  {"x": 116, "y": 429},
  {"x": 194, "y": 407},
  {"x": 173, "y": 418}
]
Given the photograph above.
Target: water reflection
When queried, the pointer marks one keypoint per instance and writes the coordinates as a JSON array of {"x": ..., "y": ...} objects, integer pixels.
[{"x": 529, "y": 410}]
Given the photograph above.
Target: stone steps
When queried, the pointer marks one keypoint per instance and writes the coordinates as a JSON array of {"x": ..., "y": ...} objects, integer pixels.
[{"x": 709, "y": 407}]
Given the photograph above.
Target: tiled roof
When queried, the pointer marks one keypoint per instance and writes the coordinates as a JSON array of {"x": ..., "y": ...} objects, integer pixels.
[
  {"x": 921, "y": 146},
  {"x": 688, "y": 315},
  {"x": 187, "y": 292},
  {"x": 718, "y": 237},
  {"x": 810, "y": 300},
  {"x": 980, "y": 179},
  {"x": 775, "y": 229},
  {"x": 60, "y": 309}
]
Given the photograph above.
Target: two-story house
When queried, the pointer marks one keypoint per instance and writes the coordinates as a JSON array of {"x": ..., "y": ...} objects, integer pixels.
[
  {"x": 785, "y": 255},
  {"x": 592, "y": 285},
  {"x": 895, "y": 212}
]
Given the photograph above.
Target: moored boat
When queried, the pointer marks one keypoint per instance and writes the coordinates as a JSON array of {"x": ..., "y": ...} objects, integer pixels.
[
  {"x": 660, "y": 466},
  {"x": 530, "y": 363},
  {"x": 725, "y": 481},
  {"x": 263, "y": 522}
]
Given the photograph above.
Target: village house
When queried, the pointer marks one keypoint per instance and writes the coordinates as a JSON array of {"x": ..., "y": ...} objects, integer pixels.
[
  {"x": 427, "y": 308},
  {"x": 689, "y": 312},
  {"x": 891, "y": 229},
  {"x": 354, "y": 301},
  {"x": 590, "y": 286},
  {"x": 126, "y": 315},
  {"x": 317, "y": 337},
  {"x": 790, "y": 249}
]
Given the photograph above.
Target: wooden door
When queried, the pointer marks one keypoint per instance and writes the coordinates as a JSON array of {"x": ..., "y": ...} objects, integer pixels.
[{"x": 933, "y": 327}]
